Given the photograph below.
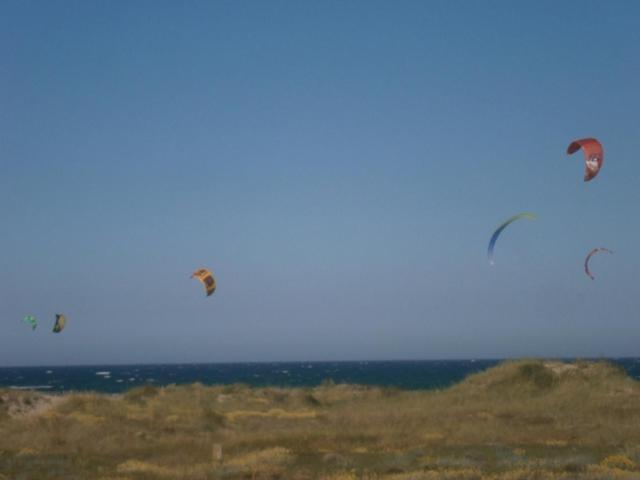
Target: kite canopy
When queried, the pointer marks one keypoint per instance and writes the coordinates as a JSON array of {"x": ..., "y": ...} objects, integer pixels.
[
  {"x": 589, "y": 255},
  {"x": 31, "y": 321},
  {"x": 61, "y": 320},
  {"x": 593, "y": 155},
  {"x": 499, "y": 230},
  {"x": 206, "y": 277}
]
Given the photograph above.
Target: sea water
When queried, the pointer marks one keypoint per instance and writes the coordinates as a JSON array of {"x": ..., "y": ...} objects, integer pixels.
[{"x": 414, "y": 374}]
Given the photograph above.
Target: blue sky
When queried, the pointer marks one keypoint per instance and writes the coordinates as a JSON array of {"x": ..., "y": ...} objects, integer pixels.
[{"x": 340, "y": 166}]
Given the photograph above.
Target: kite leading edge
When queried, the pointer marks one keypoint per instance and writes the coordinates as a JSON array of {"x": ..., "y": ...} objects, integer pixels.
[{"x": 499, "y": 230}]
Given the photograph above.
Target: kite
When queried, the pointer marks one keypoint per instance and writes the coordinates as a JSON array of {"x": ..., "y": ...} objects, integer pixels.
[
  {"x": 61, "y": 320},
  {"x": 590, "y": 254},
  {"x": 31, "y": 321},
  {"x": 593, "y": 155},
  {"x": 207, "y": 280},
  {"x": 496, "y": 234}
]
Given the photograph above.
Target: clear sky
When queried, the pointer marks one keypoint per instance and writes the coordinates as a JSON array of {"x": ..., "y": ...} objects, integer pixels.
[{"x": 339, "y": 165}]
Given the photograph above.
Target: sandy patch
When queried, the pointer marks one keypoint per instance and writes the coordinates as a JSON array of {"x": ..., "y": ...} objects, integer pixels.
[{"x": 29, "y": 404}]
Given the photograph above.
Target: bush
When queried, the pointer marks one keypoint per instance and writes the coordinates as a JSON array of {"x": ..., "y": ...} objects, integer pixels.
[
  {"x": 538, "y": 374},
  {"x": 140, "y": 394},
  {"x": 310, "y": 399}
]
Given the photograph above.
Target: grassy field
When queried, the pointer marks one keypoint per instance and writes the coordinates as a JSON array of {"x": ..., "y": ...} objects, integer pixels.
[{"x": 519, "y": 420}]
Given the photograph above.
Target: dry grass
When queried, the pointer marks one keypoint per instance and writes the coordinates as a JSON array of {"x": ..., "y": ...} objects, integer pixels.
[
  {"x": 273, "y": 413},
  {"x": 519, "y": 420}
]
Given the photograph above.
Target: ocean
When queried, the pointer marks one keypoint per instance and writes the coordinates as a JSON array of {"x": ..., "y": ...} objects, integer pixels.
[{"x": 414, "y": 374}]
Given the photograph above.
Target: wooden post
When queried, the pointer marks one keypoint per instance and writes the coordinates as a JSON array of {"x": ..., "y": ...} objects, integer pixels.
[{"x": 216, "y": 453}]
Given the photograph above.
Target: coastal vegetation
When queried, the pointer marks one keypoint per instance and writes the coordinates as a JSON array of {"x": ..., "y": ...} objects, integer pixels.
[{"x": 519, "y": 420}]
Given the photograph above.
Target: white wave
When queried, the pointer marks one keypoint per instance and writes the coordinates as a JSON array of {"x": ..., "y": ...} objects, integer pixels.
[{"x": 30, "y": 387}]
